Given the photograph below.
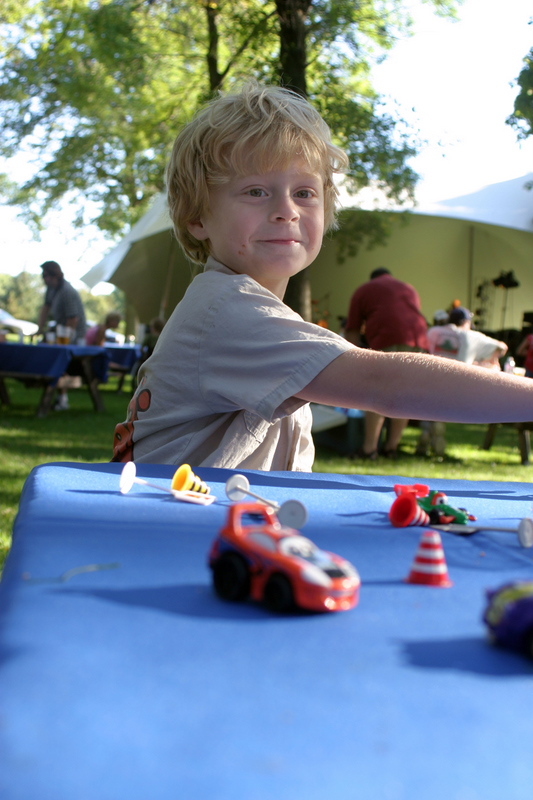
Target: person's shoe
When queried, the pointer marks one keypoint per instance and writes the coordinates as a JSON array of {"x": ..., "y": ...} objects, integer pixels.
[
  {"x": 393, "y": 454},
  {"x": 61, "y": 403},
  {"x": 365, "y": 456}
]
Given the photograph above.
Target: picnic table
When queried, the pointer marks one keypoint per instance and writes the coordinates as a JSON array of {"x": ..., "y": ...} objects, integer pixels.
[
  {"x": 122, "y": 360},
  {"x": 43, "y": 365},
  {"x": 123, "y": 675}
]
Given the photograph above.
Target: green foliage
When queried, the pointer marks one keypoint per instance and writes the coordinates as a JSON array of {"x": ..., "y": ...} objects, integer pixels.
[
  {"x": 359, "y": 227},
  {"x": 522, "y": 117},
  {"x": 97, "y": 307},
  {"x": 22, "y": 295},
  {"x": 97, "y": 89}
]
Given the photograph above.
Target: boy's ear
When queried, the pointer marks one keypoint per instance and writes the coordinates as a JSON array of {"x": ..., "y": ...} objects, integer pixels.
[{"x": 197, "y": 229}]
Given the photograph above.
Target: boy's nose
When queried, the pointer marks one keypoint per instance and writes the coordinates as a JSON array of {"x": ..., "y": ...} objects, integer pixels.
[{"x": 285, "y": 209}]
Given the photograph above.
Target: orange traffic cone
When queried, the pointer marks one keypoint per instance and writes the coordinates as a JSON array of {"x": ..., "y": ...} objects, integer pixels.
[
  {"x": 429, "y": 566},
  {"x": 185, "y": 480},
  {"x": 406, "y": 511}
]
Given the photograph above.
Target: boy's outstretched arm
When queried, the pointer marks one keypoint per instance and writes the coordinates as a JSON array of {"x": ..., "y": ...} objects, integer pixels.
[{"x": 419, "y": 386}]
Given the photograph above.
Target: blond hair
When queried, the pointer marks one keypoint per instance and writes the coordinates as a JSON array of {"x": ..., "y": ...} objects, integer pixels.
[{"x": 259, "y": 129}]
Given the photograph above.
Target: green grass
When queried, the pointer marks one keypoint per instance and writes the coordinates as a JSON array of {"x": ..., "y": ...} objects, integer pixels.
[
  {"x": 81, "y": 434},
  {"x": 464, "y": 459}
]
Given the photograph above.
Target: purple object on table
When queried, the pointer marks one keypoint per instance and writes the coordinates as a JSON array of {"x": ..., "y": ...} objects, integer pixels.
[{"x": 509, "y": 616}]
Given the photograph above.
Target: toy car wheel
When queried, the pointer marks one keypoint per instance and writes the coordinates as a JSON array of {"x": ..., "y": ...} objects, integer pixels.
[
  {"x": 231, "y": 578},
  {"x": 278, "y": 593}
]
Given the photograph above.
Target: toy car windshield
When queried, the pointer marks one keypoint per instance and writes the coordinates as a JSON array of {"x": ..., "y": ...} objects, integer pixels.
[{"x": 305, "y": 549}]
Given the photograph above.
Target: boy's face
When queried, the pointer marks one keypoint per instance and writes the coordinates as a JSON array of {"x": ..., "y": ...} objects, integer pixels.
[{"x": 268, "y": 226}]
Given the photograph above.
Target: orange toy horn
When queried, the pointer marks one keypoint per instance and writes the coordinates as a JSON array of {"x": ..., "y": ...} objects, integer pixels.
[{"x": 185, "y": 480}]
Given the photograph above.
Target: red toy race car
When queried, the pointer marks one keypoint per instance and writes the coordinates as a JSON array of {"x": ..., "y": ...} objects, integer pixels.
[{"x": 254, "y": 556}]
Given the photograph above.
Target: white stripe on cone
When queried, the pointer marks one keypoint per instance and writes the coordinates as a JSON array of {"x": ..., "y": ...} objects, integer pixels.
[
  {"x": 429, "y": 565},
  {"x": 420, "y": 518}
]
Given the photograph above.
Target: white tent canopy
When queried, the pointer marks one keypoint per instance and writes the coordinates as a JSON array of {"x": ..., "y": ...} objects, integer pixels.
[
  {"x": 453, "y": 249},
  {"x": 508, "y": 204},
  {"x": 148, "y": 265},
  {"x": 21, "y": 326},
  {"x": 154, "y": 221},
  {"x": 445, "y": 251}
]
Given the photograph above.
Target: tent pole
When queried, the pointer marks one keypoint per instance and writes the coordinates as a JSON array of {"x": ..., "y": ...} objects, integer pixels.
[
  {"x": 470, "y": 279},
  {"x": 164, "y": 299}
]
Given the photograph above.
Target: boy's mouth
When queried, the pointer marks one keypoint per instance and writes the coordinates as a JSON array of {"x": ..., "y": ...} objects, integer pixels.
[{"x": 282, "y": 241}]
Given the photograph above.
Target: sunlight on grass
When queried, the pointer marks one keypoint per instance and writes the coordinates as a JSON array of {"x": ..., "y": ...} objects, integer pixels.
[{"x": 464, "y": 459}]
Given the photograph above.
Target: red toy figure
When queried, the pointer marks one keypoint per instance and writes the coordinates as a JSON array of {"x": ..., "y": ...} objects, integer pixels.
[{"x": 417, "y": 505}]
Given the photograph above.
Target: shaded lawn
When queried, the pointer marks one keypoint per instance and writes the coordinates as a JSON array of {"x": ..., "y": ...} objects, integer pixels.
[{"x": 83, "y": 435}]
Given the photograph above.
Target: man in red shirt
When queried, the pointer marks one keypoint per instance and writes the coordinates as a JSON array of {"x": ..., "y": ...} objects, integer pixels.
[{"x": 387, "y": 312}]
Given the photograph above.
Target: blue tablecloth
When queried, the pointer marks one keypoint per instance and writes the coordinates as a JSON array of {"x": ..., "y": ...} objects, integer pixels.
[
  {"x": 125, "y": 355},
  {"x": 135, "y": 681},
  {"x": 50, "y": 360}
]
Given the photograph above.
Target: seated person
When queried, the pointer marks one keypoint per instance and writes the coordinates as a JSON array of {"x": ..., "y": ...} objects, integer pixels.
[
  {"x": 150, "y": 338},
  {"x": 251, "y": 194},
  {"x": 525, "y": 349},
  {"x": 96, "y": 335},
  {"x": 456, "y": 340},
  {"x": 148, "y": 344}
]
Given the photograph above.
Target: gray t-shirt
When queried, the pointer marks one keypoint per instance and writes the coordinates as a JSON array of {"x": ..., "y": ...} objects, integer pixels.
[
  {"x": 65, "y": 303},
  {"x": 219, "y": 389}
]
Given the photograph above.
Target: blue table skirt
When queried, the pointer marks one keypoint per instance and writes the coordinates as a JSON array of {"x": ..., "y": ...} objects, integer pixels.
[
  {"x": 50, "y": 360},
  {"x": 135, "y": 681},
  {"x": 124, "y": 355}
]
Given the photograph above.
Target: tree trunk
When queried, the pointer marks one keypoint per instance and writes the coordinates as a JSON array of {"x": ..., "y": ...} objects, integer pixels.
[
  {"x": 292, "y": 65},
  {"x": 215, "y": 78},
  {"x": 292, "y": 15}
]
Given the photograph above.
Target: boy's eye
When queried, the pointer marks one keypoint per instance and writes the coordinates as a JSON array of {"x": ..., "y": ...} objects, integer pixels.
[
  {"x": 304, "y": 193},
  {"x": 256, "y": 192}
]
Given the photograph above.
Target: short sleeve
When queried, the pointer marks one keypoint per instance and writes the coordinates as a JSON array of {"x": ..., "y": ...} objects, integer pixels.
[{"x": 257, "y": 353}]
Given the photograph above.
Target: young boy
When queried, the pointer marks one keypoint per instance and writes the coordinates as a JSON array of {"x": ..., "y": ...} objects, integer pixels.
[{"x": 251, "y": 193}]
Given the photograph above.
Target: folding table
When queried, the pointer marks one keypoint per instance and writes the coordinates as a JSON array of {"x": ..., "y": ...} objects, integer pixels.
[{"x": 123, "y": 675}]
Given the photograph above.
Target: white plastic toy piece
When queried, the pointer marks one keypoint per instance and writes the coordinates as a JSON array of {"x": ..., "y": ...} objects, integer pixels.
[
  {"x": 291, "y": 513},
  {"x": 524, "y": 530},
  {"x": 128, "y": 477}
]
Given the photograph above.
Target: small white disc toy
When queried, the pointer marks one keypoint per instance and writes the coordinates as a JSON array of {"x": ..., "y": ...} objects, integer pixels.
[
  {"x": 525, "y": 532},
  {"x": 127, "y": 477},
  {"x": 293, "y": 514}
]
